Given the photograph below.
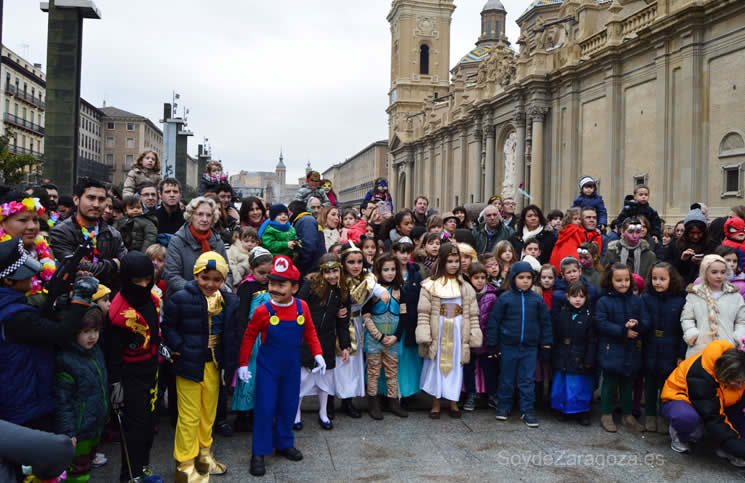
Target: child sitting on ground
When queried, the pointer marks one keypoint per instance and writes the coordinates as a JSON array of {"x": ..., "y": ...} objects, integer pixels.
[{"x": 138, "y": 231}]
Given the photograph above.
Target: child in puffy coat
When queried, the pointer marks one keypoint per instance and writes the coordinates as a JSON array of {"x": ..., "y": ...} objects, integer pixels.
[
  {"x": 146, "y": 170},
  {"x": 620, "y": 321},
  {"x": 81, "y": 393},
  {"x": 277, "y": 234},
  {"x": 588, "y": 196}
]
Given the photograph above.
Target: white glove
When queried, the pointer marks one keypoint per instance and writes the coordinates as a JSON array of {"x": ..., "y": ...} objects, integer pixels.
[
  {"x": 117, "y": 393},
  {"x": 321, "y": 367},
  {"x": 244, "y": 374}
]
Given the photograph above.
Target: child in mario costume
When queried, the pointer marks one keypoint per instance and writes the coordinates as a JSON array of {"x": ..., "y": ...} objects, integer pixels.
[{"x": 284, "y": 322}]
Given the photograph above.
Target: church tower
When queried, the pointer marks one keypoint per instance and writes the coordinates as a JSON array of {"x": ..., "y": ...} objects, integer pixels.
[
  {"x": 420, "y": 58},
  {"x": 281, "y": 170},
  {"x": 492, "y": 23}
]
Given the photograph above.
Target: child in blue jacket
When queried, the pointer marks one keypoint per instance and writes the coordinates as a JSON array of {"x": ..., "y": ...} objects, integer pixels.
[
  {"x": 518, "y": 323},
  {"x": 588, "y": 196}
]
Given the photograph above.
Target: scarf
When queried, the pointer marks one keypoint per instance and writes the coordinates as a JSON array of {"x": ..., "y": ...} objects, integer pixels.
[
  {"x": 637, "y": 250},
  {"x": 528, "y": 234},
  {"x": 202, "y": 238}
]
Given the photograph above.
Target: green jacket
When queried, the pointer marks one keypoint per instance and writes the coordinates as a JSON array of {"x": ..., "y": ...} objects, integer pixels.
[
  {"x": 275, "y": 240},
  {"x": 139, "y": 232},
  {"x": 80, "y": 391}
]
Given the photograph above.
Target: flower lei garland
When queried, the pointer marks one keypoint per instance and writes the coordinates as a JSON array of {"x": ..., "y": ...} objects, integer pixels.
[
  {"x": 91, "y": 235},
  {"x": 44, "y": 256},
  {"x": 27, "y": 204},
  {"x": 53, "y": 219}
]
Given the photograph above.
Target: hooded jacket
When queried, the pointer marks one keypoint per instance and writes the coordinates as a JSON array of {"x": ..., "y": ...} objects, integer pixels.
[
  {"x": 486, "y": 299},
  {"x": 137, "y": 178},
  {"x": 695, "y": 318},
  {"x": 519, "y": 318},
  {"x": 305, "y": 192},
  {"x": 313, "y": 246},
  {"x": 80, "y": 391},
  {"x": 185, "y": 330},
  {"x": 617, "y": 354},
  {"x": 664, "y": 343},
  {"x": 693, "y": 381}
]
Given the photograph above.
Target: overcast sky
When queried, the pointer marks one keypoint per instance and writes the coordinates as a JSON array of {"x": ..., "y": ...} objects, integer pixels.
[{"x": 310, "y": 76}]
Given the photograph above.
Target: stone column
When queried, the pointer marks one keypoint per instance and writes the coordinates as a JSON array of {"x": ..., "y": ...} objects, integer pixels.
[
  {"x": 474, "y": 171},
  {"x": 519, "y": 121},
  {"x": 62, "y": 118},
  {"x": 489, "y": 162},
  {"x": 537, "y": 115},
  {"x": 407, "y": 187}
]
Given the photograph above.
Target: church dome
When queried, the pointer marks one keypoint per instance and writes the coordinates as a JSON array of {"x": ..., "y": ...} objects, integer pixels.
[
  {"x": 480, "y": 53},
  {"x": 493, "y": 5},
  {"x": 545, "y": 3}
]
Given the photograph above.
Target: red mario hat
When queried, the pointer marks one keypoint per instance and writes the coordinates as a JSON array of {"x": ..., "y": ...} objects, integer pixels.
[{"x": 283, "y": 269}]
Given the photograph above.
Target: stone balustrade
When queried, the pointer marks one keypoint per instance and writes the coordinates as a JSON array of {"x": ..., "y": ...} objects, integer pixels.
[{"x": 639, "y": 20}]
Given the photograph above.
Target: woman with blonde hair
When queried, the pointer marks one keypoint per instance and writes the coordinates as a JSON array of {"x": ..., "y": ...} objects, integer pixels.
[
  {"x": 714, "y": 308},
  {"x": 145, "y": 170},
  {"x": 329, "y": 220}
]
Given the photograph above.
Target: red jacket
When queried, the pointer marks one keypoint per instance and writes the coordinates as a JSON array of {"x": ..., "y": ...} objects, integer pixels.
[
  {"x": 355, "y": 232},
  {"x": 260, "y": 321},
  {"x": 570, "y": 238}
]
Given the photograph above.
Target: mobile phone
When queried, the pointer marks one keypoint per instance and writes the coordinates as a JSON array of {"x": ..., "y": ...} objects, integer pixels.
[{"x": 698, "y": 255}]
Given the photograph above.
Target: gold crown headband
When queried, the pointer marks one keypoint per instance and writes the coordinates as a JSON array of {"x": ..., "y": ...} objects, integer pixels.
[
  {"x": 352, "y": 249},
  {"x": 330, "y": 266}
]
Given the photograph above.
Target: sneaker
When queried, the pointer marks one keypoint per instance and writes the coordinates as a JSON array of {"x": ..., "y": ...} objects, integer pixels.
[
  {"x": 502, "y": 414},
  {"x": 470, "y": 403},
  {"x": 734, "y": 460},
  {"x": 529, "y": 419},
  {"x": 676, "y": 444},
  {"x": 99, "y": 460},
  {"x": 492, "y": 401}
]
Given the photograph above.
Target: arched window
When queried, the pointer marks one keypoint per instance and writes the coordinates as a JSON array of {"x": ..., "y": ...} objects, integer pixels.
[{"x": 424, "y": 60}]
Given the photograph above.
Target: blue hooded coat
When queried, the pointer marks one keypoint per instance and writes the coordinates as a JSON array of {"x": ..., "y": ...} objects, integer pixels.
[{"x": 617, "y": 354}]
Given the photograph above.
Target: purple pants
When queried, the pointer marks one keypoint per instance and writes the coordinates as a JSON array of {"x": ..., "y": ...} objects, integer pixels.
[{"x": 685, "y": 419}]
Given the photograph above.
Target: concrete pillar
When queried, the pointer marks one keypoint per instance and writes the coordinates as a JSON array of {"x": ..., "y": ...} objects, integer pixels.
[
  {"x": 408, "y": 198},
  {"x": 519, "y": 121},
  {"x": 537, "y": 115},
  {"x": 489, "y": 162},
  {"x": 474, "y": 170},
  {"x": 62, "y": 116}
]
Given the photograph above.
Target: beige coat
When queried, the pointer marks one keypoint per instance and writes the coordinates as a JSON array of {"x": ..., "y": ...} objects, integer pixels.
[
  {"x": 137, "y": 178},
  {"x": 428, "y": 321},
  {"x": 238, "y": 260},
  {"x": 695, "y": 318}
]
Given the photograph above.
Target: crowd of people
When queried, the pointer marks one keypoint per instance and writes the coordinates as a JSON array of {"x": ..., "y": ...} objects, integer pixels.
[{"x": 212, "y": 311}]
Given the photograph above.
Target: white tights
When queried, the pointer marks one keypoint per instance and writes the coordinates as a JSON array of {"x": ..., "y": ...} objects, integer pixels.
[{"x": 323, "y": 399}]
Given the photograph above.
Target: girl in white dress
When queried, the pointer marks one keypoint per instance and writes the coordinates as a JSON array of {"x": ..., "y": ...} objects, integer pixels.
[
  {"x": 447, "y": 327},
  {"x": 350, "y": 376}
]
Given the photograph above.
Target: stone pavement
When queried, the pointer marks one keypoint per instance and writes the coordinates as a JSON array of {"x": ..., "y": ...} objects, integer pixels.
[{"x": 474, "y": 448}]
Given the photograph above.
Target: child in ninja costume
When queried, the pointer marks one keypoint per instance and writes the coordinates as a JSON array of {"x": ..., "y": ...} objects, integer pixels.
[
  {"x": 284, "y": 322},
  {"x": 133, "y": 362}
]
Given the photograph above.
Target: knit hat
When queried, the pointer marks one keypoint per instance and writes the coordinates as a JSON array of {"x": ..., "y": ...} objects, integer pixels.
[
  {"x": 695, "y": 216},
  {"x": 518, "y": 268},
  {"x": 586, "y": 180},
  {"x": 313, "y": 176},
  {"x": 639, "y": 282},
  {"x": 102, "y": 292},
  {"x": 211, "y": 261},
  {"x": 276, "y": 209}
]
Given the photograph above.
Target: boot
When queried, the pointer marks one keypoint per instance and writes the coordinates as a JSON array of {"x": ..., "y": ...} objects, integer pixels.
[
  {"x": 606, "y": 421},
  {"x": 395, "y": 407},
  {"x": 348, "y": 407},
  {"x": 374, "y": 408},
  {"x": 630, "y": 422},
  {"x": 257, "y": 465},
  {"x": 207, "y": 464},
  {"x": 330, "y": 409},
  {"x": 662, "y": 426},
  {"x": 242, "y": 423},
  {"x": 186, "y": 472},
  {"x": 650, "y": 424}
]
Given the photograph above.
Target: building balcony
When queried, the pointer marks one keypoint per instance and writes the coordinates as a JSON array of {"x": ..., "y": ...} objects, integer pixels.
[
  {"x": 25, "y": 96},
  {"x": 21, "y": 150},
  {"x": 23, "y": 123},
  {"x": 94, "y": 169}
]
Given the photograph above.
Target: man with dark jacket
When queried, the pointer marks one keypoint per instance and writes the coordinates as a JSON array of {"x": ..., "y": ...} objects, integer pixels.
[
  {"x": 65, "y": 237},
  {"x": 313, "y": 245},
  {"x": 170, "y": 215},
  {"x": 493, "y": 230}
]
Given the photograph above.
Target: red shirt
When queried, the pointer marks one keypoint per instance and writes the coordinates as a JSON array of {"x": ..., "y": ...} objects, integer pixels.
[{"x": 260, "y": 321}]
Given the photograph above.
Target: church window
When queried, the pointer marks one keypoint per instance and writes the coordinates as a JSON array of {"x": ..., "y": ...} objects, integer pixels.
[
  {"x": 641, "y": 180},
  {"x": 732, "y": 180},
  {"x": 496, "y": 28},
  {"x": 424, "y": 60},
  {"x": 488, "y": 28},
  {"x": 732, "y": 144}
]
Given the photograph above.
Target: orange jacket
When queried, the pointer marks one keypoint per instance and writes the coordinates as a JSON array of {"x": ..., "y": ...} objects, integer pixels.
[{"x": 693, "y": 381}]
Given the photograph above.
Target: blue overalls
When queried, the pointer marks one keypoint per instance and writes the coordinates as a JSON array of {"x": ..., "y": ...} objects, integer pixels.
[{"x": 277, "y": 383}]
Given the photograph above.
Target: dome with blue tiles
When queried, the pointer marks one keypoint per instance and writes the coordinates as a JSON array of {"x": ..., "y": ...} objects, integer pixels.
[{"x": 480, "y": 53}]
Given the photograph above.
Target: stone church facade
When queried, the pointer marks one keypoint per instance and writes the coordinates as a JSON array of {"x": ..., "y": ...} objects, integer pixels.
[{"x": 626, "y": 91}]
